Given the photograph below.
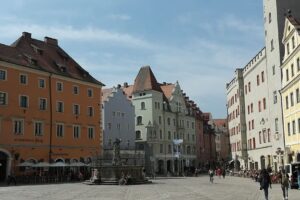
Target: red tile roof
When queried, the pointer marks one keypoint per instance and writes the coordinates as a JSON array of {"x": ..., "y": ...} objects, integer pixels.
[
  {"x": 44, "y": 55},
  {"x": 220, "y": 122},
  {"x": 145, "y": 80}
]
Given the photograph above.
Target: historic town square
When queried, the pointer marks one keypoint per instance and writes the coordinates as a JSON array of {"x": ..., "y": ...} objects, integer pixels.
[{"x": 137, "y": 99}]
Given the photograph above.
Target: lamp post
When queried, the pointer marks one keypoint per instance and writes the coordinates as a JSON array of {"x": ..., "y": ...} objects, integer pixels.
[{"x": 280, "y": 153}]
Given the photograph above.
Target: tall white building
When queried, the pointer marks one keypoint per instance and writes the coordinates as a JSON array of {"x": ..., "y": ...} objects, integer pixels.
[{"x": 261, "y": 79}]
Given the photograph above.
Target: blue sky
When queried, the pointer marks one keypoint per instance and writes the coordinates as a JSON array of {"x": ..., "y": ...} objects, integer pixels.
[{"x": 197, "y": 42}]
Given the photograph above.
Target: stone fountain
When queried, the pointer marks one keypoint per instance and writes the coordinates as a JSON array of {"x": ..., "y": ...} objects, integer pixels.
[{"x": 115, "y": 172}]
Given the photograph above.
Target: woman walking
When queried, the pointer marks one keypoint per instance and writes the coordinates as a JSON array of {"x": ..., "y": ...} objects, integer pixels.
[{"x": 265, "y": 183}]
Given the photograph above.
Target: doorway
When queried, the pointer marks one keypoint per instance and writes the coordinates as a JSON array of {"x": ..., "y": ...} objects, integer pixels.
[{"x": 3, "y": 166}]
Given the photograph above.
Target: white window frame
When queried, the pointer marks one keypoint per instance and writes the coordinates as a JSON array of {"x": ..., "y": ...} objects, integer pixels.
[
  {"x": 62, "y": 86},
  {"x": 76, "y": 111},
  {"x": 75, "y": 93},
  {"x": 5, "y": 74},
  {"x": 45, "y": 103},
  {"x": 76, "y": 131},
  {"x": 91, "y": 132},
  {"x": 57, "y": 106},
  {"x": 26, "y": 79},
  {"x": 18, "y": 130},
  {"x": 39, "y": 82},
  {"x": 90, "y": 111},
  {"x": 20, "y": 101},
  {"x": 40, "y": 130},
  {"x": 6, "y": 98},
  {"x": 58, "y": 134},
  {"x": 90, "y": 92}
]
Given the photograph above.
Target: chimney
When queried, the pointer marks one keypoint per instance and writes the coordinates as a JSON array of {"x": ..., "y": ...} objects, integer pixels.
[
  {"x": 26, "y": 35},
  {"x": 125, "y": 85},
  {"x": 51, "y": 41}
]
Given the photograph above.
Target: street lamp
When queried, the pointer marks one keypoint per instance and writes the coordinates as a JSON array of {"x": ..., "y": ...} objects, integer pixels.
[{"x": 279, "y": 153}]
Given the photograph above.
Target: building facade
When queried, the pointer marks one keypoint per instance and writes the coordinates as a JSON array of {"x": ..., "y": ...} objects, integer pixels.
[
  {"x": 49, "y": 106},
  {"x": 163, "y": 115},
  {"x": 290, "y": 89},
  {"x": 264, "y": 125},
  {"x": 222, "y": 140}
]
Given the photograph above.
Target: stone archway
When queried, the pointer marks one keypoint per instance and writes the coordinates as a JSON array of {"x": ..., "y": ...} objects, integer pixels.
[{"x": 5, "y": 165}]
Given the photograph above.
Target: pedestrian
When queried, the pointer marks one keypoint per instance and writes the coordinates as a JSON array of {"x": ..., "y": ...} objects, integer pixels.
[
  {"x": 284, "y": 180},
  {"x": 265, "y": 183},
  {"x": 211, "y": 175},
  {"x": 298, "y": 172},
  {"x": 223, "y": 172},
  {"x": 11, "y": 178}
]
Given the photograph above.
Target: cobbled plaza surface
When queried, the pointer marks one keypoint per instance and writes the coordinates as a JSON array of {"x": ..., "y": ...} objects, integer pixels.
[{"x": 183, "y": 188}]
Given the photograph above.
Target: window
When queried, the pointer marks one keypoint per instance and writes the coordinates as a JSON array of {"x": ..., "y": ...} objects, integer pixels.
[
  {"x": 76, "y": 109},
  {"x": 3, "y": 98},
  {"x": 254, "y": 144},
  {"x": 2, "y": 75},
  {"x": 249, "y": 86},
  {"x": 193, "y": 125},
  {"x": 259, "y": 137},
  {"x": 289, "y": 128},
  {"x": 42, "y": 104},
  {"x": 246, "y": 89},
  {"x": 293, "y": 42},
  {"x": 275, "y": 97},
  {"x": 292, "y": 69},
  {"x": 159, "y": 119},
  {"x": 59, "y": 86},
  {"x": 287, "y": 74},
  {"x": 287, "y": 102},
  {"x": 264, "y": 136},
  {"x": 160, "y": 134},
  {"x": 90, "y": 111},
  {"x": 138, "y": 135},
  {"x": 252, "y": 123},
  {"x": 276, "y": 124},
  {"x": 273, "y": 69},
  {"x": 75, "y": 89},
  {"x": 272, "y": 45},
  {"x": 139, "y": 120},
  {"x": 259, "y": 106},
  {"x": 91, "y": 132},
  {"x": 76, "y": 131},
  {"x": 298, "y": 64},
  {"x": 264, "y": 104},
  {"x": 18, "y": 126},
  {"x": 169, "y": 121},
  {"x": 262, "y": 77},
  {"x": 161, "y": 148},
  {"x": 298, "y": 125},
  {"x": 42, "y": 83},
  {"x": 169, "y": 148},
  {"x": 294, "y": 127},
  {"x": 251, "y": 106},
  {"x": 270, "y": 17},
  {"x": 90, "y": 92},
  {"x": 257, "y": 79},
  {"x": 292, "y": 98},
  {"x": 23, "y": 79},
  {"x": 60, "y": 130},
  {"x": 38, "y": 128},
  {"x": 288, "y": 48},
  {"x": 109, "y": 126},
  {"x": 269, "y": 135},
  {"x": 59, "y": 106},
  {"x": 143, "y": 107},
  {"x": 23, "y": 101}
]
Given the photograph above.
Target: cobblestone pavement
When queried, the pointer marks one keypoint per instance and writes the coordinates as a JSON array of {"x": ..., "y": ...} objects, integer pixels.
[{"x": 187, "y": 188}]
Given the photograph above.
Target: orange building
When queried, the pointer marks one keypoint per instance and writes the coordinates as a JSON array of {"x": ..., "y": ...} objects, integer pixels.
[{"x": 49, "y": 106}]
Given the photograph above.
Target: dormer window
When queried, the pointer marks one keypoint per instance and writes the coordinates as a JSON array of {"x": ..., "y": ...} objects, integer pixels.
[{"x": 37, "y": 49}]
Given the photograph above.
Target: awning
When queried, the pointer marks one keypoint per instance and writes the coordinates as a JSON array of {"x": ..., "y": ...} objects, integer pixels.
[
  {"x": 41, "y": 164},
  {"x": 26, "y": 164},
  {"x": 59, "y": 164},
  {"x": 78, "y": 164}
]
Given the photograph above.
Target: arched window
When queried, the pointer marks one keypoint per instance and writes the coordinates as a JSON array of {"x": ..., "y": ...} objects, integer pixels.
[
  {"x": 143, "y": 106},
  {"x": 139, "y": 120},
  {"x": 138, "y": 135}
]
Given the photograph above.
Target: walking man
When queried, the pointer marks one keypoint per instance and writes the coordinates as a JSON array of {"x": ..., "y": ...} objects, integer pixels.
[
  {"x": 284, "y": 180},
  {"x": 211, "y": 175}
]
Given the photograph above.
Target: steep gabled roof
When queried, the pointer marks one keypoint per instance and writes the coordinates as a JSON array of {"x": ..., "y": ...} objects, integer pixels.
[
  {"x": 44, "y": 55},
  {"x": 145, "y": 80},
  {"x": 106, "y": 93},
  {"x": 167, "y": 90}
]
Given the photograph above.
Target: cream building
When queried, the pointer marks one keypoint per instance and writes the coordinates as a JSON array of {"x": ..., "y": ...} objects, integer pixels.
[{"x": 291, "y": 89}]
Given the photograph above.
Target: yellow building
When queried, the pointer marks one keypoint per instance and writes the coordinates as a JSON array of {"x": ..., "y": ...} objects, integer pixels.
[{"x": 290, "y": 91}]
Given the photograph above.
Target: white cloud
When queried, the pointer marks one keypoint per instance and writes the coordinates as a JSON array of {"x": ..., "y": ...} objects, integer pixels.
[
  {"x": 121, "y": 17},
  {"x": 91, "y": 34}
]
